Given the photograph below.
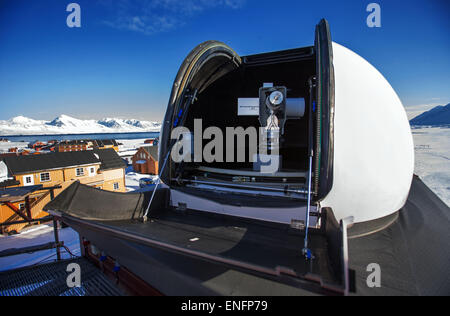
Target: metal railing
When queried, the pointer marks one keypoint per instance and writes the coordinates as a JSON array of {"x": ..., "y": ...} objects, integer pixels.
[{"x": 57, "y": 244}]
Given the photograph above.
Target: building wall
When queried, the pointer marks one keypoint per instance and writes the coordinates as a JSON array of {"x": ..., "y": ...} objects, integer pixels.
[
  {"x": 149, "y": 167},
  {"x": 66, "y": 148},
  {"x": 6, "y": 212},
  {"x": 71, "y": 173},
  {"x": 58, "y": 176},
  {"x": 37, "y": 201},
  {"x": 103, "y": 179},
  {"x": 114, "y": 176},
  {"x": 116, "y": 148}
]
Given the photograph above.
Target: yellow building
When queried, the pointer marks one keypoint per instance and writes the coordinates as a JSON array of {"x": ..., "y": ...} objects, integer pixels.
[
  {"x": 21, "y": 203},
  {"x": 100, "y": 168},
  {"x": 103, "y": 169},
  {"x": 80, "y": 145},
  {"x": 105, "y": 144}
]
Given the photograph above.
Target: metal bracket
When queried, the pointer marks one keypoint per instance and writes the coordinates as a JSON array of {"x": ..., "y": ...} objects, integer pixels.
[{"x": 306, "y": 251}]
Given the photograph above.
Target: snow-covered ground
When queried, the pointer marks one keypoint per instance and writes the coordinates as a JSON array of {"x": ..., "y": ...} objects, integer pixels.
[
  {"x": 132, "y": 179},
  {"x": 432, "y": 148},
  {"x": 5, "y": 146},
  {"x": 129, "y": 147},
  {"x": 38, "y": 235}
]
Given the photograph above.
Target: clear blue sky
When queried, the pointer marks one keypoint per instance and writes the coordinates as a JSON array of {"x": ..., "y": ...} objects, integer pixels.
[{"x": 123, "y": 59}]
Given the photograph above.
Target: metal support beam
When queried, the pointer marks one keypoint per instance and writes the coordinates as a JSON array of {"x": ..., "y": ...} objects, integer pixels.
[
  {"x": 245, "y": 186},
  {"x": 56, "y": 233},
  {"x": 306, "y": 251},
  {"x": 17, "y": 211},
  {"x": 40, "y": 220},
  {"x": 158, "y": 182},
  {"x": 19, "y": 251},
  {"x": 27, "y": 207}
]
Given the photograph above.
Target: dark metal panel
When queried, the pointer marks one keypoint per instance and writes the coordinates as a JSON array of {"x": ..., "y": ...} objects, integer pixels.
[
  {"x": 181, "y": 90},
  {"x": 323, "y": 174}
]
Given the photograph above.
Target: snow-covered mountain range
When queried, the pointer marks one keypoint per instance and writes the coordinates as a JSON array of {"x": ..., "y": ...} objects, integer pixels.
[
  {"x": 439, "y": 115},
  {"x": 64, "y": 124}
]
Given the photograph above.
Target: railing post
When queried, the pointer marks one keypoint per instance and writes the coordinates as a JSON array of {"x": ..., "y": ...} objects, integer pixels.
[
  {"x": 27, "y": 207},
  {"x": 56, "y": 233}
]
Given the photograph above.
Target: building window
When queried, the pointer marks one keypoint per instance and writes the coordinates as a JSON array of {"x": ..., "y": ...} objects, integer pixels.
[
  {"x": 22, "y": 206},
  {"x": 28, "y": 179},
  {"x": 45, "y": 177},
  {"x": 91, "y": 171},
  {"x": 116, "y": 186},
  {"x": 80, "y": 172}
]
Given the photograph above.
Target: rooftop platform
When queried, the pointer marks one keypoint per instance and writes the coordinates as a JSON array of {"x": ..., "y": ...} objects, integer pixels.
[{"x": 50, "y": 280}]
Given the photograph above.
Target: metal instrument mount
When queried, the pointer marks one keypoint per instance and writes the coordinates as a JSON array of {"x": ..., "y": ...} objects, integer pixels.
[
  {"x": 306, "y": 251},
  {"x": 272, "y": 102}
]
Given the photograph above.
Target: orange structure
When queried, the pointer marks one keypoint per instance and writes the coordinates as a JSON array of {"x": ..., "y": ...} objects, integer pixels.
[
  {"x": 22, "y": 204},
  {"x": 37, "y": 145},
  {"x": 73, "y": 145},
  {"x": 105, "y": 144},
  {"x": 146, "y": 160},
  {"x": 27, "y": 183},
  {"x": 81, "y": 145}
]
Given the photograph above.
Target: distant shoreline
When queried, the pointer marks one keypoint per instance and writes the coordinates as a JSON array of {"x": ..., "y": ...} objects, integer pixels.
[
  {"x": 79, "y": 136},
  {"x": 430, "y": 126}
]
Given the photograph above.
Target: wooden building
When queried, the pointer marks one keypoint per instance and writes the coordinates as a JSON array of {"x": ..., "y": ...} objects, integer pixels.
[
  {"x": 53, "y": 172},
  {"x": 146, "y": 160},
  {"x": 99, "y": 168},
  {"x": 18, "y": 204},
  {"x": 72, "y": 145},
  {"x": 81, "y": 145},
  {"x": 105, "y": 144}
]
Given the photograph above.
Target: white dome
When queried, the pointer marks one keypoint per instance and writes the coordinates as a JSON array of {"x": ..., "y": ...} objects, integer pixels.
[
  {"x": 3, "y": 172},
  {"x": 373, "y": 145}
]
